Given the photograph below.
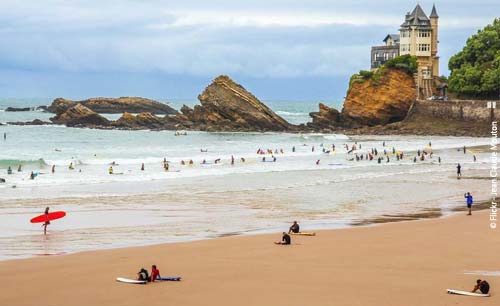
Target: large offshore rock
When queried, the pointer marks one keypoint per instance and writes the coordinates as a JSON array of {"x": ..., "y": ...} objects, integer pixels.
[
  {"x": 227, "y": 106},
  {"x": 114, "y": 105}
]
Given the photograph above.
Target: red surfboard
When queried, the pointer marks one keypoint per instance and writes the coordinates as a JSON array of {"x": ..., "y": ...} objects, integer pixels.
[{"x": 49, "y": 217}]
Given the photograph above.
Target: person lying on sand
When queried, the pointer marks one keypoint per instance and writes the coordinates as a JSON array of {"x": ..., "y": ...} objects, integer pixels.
[
  {"x": 295, "y": 228},
  {"x": 482, "y": 285},
  {"x": 285, "y": 240}
]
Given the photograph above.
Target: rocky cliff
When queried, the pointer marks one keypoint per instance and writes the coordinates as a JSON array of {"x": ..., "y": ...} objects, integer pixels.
[
  {"x": 378, "y": 98},
  {"x": 227, "y": 106},
  {"x": 383, "y": 98},
  {"x": 114, "y": 105}
]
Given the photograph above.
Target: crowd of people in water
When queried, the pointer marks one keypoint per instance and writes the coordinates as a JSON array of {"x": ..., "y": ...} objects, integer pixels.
[{"x": 354, "y": 152}]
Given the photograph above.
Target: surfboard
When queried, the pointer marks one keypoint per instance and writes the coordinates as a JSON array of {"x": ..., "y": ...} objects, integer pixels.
[
  {"x": 49, "y": 217},
  {"x": 460, "y": 292},
  {"x": 176, "y": 278},
  {"x": 130, "y": 281},
  {"x": 304, "y": 234}
]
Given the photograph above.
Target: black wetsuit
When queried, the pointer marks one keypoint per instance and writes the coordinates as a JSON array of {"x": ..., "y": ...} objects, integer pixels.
[
  {"x": 295, "y": 228},
  {"x": 484, "y": 287},
  {"x": 286, "y": 239}
]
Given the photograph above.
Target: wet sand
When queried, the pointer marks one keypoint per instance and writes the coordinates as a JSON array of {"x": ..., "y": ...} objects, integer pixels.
[{"x": 405, "y": 263}]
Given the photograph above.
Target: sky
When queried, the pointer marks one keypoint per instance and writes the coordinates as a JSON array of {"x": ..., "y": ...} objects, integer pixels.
[{"x": 277, "y": 49}]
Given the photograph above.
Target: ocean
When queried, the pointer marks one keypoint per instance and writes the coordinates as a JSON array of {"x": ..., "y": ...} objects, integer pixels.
[{"x": 208, "y": 199}]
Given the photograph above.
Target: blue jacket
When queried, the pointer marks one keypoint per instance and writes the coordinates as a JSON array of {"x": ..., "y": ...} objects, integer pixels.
[{"x": 469, "y": 199}]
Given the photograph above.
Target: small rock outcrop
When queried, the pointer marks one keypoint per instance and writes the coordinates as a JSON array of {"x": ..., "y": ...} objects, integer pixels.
[
  {"x": 141, "y": 121},
  {"x": 114, "y": 105},
  {"x": 34, "y": 122},
  {"x": 227, "y": 106},
  {"x": 80, "y": 116}
]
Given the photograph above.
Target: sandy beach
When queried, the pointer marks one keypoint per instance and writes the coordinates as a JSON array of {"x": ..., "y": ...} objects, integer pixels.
[{"x": 407, "y": 263}]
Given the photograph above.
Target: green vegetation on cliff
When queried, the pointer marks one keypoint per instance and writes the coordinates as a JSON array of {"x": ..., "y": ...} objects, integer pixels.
[
  {"x": 475, "y": 71},
  {"x": 406, "y": 63}
]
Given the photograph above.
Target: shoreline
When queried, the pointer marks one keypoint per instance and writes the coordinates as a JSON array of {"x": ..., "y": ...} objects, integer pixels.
[{"x": 233, "y": 269}]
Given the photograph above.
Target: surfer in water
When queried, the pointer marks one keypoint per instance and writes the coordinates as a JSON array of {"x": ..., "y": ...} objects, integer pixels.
[
  {"x": 47, "y": 222},
  {"x": 155, "y": 273},
  {"x": 295, "y": 228},
  {"x": 482, "y": 285},
  {"x": 469, "y": 200},
  {"x": 285, "y": 240}
]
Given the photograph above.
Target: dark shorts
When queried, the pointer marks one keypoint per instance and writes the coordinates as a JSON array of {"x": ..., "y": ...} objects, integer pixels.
[{"x": 469, "y": 205}]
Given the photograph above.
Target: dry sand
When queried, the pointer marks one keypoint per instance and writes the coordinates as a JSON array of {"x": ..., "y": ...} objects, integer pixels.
[{"x": 401, "y": 264}]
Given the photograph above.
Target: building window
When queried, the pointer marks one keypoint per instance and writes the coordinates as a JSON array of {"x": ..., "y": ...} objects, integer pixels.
[
  {"x": 424, "y": 47},
  {"x": 405, "y": 34},
  {"x": 405, "y": 47},
  {"x": 424, "y": 33}
]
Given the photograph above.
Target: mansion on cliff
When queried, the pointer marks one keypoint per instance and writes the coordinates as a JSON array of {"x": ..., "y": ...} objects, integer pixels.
[{"x": 418, "y": 36}]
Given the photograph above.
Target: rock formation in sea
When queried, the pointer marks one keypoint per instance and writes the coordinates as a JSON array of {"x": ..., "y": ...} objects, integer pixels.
[
  {"x": 140, "y": 121},
  {"x": 80, "y": 116},
  {"x": 228, "y": 106},
  {"x": 33, "y": 122},
  {"x": 115, "y": 105}
]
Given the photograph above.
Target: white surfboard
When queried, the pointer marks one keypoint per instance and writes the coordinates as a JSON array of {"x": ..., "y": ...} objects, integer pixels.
[
  {"x": 460, "y": 292},
  {"x": 130, "y": 281}
]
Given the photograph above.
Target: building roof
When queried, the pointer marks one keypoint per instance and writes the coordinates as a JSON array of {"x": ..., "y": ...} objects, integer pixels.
[
  {"x": 433, "y": 13},
  {"x": 416, "y": 18},
  {"x": 394, "y": 37}
]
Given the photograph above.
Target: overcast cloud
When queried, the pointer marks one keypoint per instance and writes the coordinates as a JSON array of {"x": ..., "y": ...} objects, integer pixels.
[{"x": 172, "y": 49}]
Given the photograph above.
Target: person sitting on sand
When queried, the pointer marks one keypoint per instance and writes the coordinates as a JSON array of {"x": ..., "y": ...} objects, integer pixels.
[
  {"x": 285, "y": 240},
  {"x": 468, "y": 196},
  {"x": 155, "y": 273},
  {"x": 110, "y": 170},
  {"x": 142, "y": 275},
  {"x": 295, "y": 228},
  {"x": 482, "y": 285}
]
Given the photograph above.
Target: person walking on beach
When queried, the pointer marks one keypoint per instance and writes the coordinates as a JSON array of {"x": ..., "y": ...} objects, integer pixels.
[
  {"x": 459, "y": 171},
  {"x": 468, "y": 196},
  {"x": 285, "y": 240},
  {"x": 465, "y": 149},
  {"x": 295, "y": 228},
  {"x": 482, "y": 285},
  {"x": 47, "y": 222}
]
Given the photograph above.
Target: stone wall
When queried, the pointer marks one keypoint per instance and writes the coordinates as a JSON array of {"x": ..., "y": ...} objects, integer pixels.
[{"x": 455, "y": 110}]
